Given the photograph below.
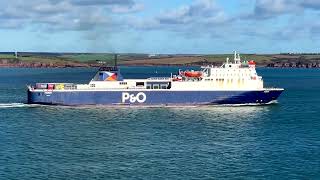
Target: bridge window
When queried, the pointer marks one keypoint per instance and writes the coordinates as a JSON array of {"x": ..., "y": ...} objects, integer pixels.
[
  {"x": 140, "y": 84},
  {"x": 156, "y": 86},
  {"x": 163, "y": 86}
]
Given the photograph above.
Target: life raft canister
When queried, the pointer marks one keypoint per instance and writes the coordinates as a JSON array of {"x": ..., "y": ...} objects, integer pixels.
[{"x": 252, "y": 62}]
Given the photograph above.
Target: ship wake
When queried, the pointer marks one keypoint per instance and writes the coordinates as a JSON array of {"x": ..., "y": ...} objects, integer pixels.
[{"x": 15, "y": 105}]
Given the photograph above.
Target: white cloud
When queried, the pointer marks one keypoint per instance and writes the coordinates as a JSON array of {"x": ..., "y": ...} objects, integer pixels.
[
  {"x": 199, "y": 19},
  {"x": 127, "y": 9},
  {"x": 265, "y": 9},
  {"x": 202, "y": 10},
  {"x": 311, "y": 4},
  {"x": 66, "y": 14}
]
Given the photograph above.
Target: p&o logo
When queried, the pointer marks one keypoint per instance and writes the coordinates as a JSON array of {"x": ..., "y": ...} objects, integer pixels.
[{"x": 140, "y": 97}]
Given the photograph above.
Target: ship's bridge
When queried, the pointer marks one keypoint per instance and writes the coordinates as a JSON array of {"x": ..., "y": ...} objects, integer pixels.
[
  {"x": 235, "y": 74},
  {"x": 233, "y": 69}
]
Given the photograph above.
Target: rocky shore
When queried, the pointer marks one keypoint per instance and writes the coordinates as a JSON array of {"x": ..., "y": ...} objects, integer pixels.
[{"x": 294, "y": 65}]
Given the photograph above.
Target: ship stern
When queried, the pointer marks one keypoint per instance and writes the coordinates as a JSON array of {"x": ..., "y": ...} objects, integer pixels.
[{"x": 30, "y": 95}]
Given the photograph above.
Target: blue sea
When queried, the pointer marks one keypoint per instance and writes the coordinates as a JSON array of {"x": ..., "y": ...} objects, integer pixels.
[{"x": 278, "y": 141}]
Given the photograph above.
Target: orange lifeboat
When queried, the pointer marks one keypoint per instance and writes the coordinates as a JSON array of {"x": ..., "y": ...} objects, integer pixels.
[{"x": 194, "y": 74}]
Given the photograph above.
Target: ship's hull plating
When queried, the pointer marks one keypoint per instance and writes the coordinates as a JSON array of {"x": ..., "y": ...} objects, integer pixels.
[{"x": 146, "y": 98}]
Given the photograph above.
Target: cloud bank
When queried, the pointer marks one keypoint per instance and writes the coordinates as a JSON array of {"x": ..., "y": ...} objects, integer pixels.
[{"x": 200, "y": 20}]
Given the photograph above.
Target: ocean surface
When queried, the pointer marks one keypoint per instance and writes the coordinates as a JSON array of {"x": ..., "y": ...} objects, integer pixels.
[{"x": 279, "y": 141}]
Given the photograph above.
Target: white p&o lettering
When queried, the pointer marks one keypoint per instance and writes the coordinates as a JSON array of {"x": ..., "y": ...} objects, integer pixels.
[{"x": 139, "y": 97}]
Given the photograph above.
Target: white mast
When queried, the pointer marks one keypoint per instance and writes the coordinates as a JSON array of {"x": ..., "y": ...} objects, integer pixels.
[{"x": 236, "y": 58}]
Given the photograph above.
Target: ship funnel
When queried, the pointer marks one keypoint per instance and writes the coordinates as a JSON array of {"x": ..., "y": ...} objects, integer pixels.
[{"x": 115, "y": 60}]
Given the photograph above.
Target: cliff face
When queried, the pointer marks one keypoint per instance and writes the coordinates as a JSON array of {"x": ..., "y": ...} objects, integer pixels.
[
  {"x": 294, "y": 61},
  {"x": 294, "y": 65}
]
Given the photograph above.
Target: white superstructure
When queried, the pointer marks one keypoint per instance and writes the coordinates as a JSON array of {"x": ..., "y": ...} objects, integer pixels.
[{"x": 232, "y": 75}]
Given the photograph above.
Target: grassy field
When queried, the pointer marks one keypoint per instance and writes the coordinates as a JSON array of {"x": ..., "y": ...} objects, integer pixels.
[
  {"x": 263, "y": 59},
  {"x": 89, "y": 57},
  {"x": 6, "y": 56}
]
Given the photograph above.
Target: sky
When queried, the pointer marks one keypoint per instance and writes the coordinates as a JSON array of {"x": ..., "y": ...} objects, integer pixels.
[{"x": 160, "y": 27}]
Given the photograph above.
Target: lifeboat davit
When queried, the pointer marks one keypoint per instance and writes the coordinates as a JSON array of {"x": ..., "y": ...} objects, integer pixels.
[
  {"x": 178, "y": 78},
  {"x": 194, "y": 74}
]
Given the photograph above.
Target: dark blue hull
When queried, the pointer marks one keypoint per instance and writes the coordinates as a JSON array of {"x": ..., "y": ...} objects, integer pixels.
[{"x": 150, "y": 98}]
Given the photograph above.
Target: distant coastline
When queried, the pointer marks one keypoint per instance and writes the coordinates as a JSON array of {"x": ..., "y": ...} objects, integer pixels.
[
  {"x": 25, "y": 64},
  {"x": 70, "y": 60}
]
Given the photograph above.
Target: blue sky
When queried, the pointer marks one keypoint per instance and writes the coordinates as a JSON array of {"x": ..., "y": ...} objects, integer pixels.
[{"x": 167, "y": 26}]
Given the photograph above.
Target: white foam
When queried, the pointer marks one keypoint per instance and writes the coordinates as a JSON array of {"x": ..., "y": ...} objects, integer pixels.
[
  {"x": 188, "y": 106},
  {"x": 15, "y": 105}
]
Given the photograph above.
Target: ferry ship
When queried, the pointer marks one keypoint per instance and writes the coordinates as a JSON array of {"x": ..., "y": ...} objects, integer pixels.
[{"x": 233, "y": 83}]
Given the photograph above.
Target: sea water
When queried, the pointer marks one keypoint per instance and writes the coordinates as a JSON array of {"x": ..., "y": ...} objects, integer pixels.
[{"x": 278, "y": 141}]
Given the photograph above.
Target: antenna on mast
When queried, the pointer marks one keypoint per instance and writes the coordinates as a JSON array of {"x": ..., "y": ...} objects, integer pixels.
[{"x": 237, "y": 58}]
